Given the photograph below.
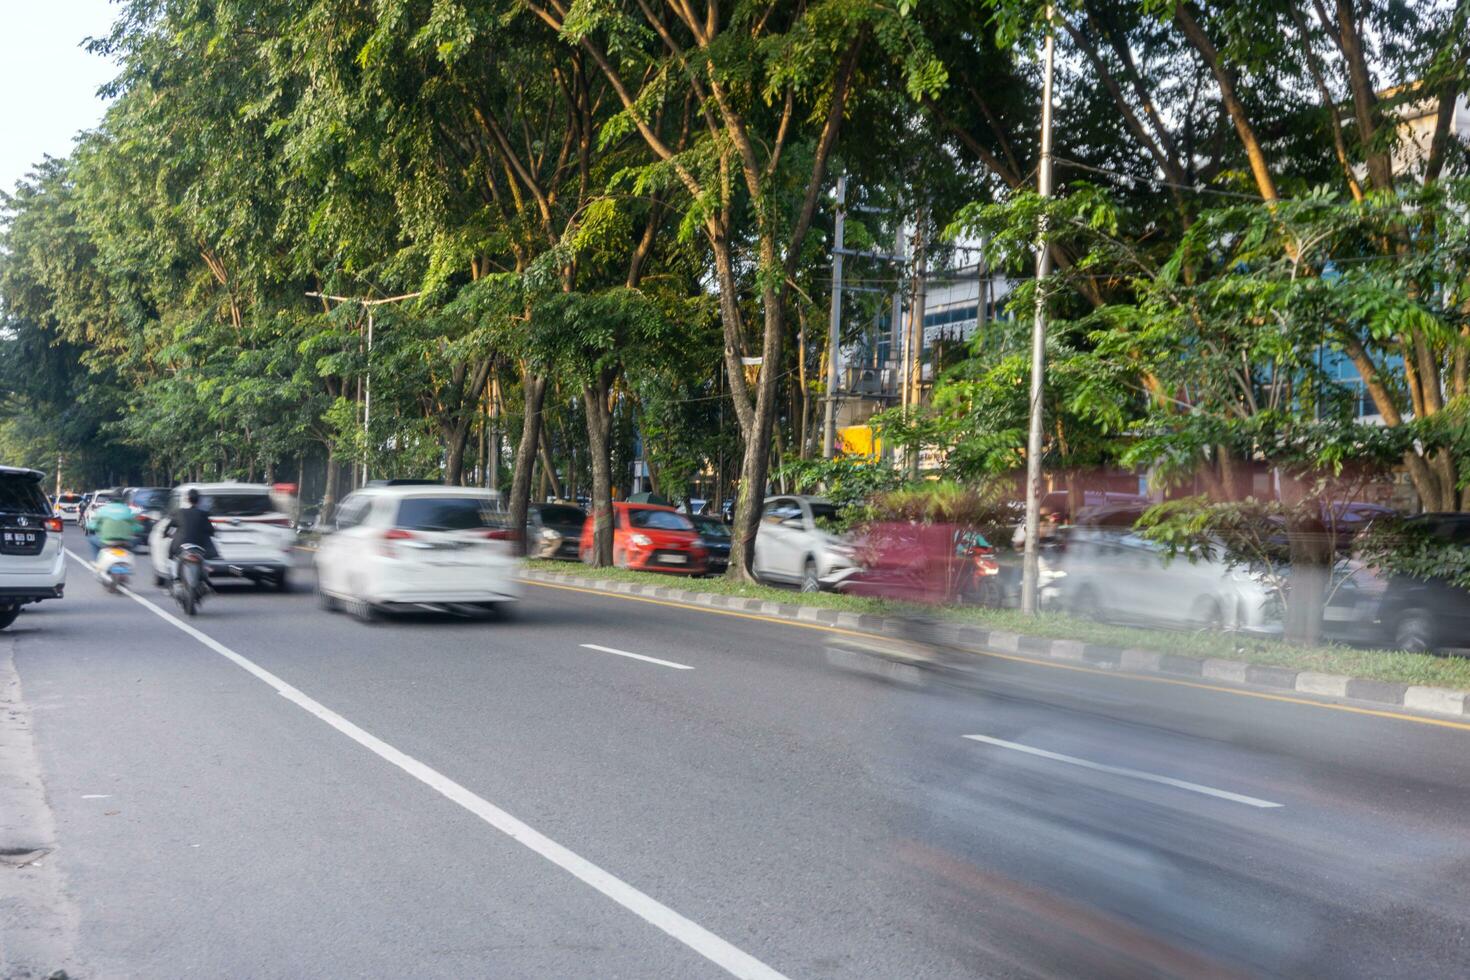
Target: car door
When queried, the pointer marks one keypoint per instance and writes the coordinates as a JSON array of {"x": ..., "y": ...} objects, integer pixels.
[
  {"x": 774, "y": 544},
  {"x": 339, "y": 549}
]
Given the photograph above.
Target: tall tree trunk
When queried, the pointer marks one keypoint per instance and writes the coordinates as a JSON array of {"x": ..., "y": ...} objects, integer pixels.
[
  {"x": 534, "y": 389},
  {"x": 599, "y": 436},
  {"x": 549, "y": 478},
  {"x": 1311, "y": 553},
  {"x": 329, "y": 491},
  {"x": 755, "y": 464}
]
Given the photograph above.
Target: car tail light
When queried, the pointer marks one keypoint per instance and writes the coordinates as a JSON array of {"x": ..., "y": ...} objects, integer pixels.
[
  {"x": 53, "y": 524},
  {"x": 499, "y": 534},
  {"x": 387, "y": 548}
]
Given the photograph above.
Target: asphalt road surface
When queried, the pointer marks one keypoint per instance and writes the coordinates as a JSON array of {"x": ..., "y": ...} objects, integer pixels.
[{"x": 608, "y": 787}]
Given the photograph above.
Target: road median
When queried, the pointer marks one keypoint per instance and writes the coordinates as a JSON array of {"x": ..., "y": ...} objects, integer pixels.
[{"x": 1420, "y": 683}]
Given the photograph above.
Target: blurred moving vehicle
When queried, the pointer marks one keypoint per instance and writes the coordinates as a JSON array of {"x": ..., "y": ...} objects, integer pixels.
[
  {"x": 114, "y": 566},
  {"x": 555, "y": 531},
  {"x": 69, "y": 507},
  {"x": 651, "y": 538},
  {"x": 714, "y": 534},
  {"x": 412, "y": 545},
  {"x": 925, "y": 563},
  {"x": 1108, "y": 573},
  {"x": 32, "y": 561},
  {"x": 148, "y": 504},
  {"x": 1371, "y": 607},
  {"x": 794, "y": 545},
  {"x": 191, "y": 582},
  {"x": 253, "y": 538}
]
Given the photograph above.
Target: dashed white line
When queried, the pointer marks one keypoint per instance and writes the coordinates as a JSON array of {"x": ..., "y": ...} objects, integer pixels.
[
  {"x": 1128, "y": 773},
  {"x": 723, "y": 954},
  {"x": 637, "y": 656}
]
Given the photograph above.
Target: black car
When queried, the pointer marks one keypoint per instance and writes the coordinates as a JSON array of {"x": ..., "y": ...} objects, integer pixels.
[
  {"x": 715, "y": 535},
  {"x": 148, "y": 505},
  {"x": 1400, "y": 611},
  {"x": 563, "y": 519}
]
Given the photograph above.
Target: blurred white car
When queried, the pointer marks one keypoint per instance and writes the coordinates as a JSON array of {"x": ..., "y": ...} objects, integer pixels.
[
  {"x": 1113, "y": 575},
  {"x": 794, "y": 545},
  {"x": 420, "y": 546},
  {"x": 32, "y": 560},
  {"x": 252, "y": 535}
]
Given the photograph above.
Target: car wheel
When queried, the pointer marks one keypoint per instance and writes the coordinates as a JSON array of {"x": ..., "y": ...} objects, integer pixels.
[
  {"x": 365, "y": 611},
  {"x": 160, "y": 580},
  {"x": 1415, "y": 631},
  {"x": 282, "y": 582},
  {"x": 1205, "y": 614},
  {"x": 7, "y": 616},
  {"x": 809, "y": 580}
]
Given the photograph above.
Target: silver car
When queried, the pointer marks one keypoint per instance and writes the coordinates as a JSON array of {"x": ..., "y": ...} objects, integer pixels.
[{"x": 794, "y": 544}]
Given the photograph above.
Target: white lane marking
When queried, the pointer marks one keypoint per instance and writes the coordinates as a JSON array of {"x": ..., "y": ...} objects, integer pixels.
[
  {"x": 1130, "y": 773},
  {"x": 730, "y": 958},
  {"x": 96, "y": 796},
  {"x": 637, "y": 656}
]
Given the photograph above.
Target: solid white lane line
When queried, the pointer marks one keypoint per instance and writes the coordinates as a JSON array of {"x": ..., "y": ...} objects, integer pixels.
[
  {"x": 730, "y": 958},
  {"x": 637, "y": 656},
  {"x": 1129, "y": 773}
]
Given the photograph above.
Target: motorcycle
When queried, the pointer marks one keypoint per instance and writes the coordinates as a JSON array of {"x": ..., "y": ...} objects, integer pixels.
[
  {"x": 190, "y": 582},
  {"x": 114, "y": 567}
]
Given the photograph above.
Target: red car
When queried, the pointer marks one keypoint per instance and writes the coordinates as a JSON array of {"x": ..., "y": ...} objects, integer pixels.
[{"x": 650, "y": 538}]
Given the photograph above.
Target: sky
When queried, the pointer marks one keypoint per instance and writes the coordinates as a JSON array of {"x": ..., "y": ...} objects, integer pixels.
[{"x": 50, "y": 82}]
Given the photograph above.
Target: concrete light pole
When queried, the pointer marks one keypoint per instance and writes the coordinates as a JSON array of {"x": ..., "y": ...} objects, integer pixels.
[
  {"x": 1031, "y": 565},
  {"x": 834, "y": 325},
  {"x": 367, "y": 402}
]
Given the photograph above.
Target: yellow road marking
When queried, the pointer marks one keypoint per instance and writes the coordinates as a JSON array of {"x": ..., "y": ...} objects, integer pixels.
[{"x": 1079, "y": 668}]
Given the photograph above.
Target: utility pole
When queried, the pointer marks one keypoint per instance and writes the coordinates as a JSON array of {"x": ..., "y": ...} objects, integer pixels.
[
  {"x": 1031, "y": 564},
  {"x": 834, "y": 326},
  {"x": 921, "y": 296},
  {"x": 367, "y": 402}
]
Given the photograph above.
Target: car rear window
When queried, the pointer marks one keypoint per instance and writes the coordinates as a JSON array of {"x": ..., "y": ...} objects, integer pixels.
[
  {"x": 22, "y": 495},
  {"x": 150, "y": 499},
  {"x": 554, "y": 514},
  {"x": 66, "y": 498},
  {"x": 236, "y": 504},
  {"x": 659, "y": 520},
  {"x": 448, "y": 514}
]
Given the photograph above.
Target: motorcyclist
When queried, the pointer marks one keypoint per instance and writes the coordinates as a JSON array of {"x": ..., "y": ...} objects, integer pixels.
[
  {"x": 111, "y": 525},
  {"x": 192, "y": 526}
]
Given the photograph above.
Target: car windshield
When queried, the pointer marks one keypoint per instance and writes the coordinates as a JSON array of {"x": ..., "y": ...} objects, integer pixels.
[
  {"x": 710, "y": 528},
  {"x": 236, "y": 504},
  {"x": 22, "y": 495},
  {"x": 562, "y": 514},
  {"x": 448, "y": 514},
  {"x": 826, "y": 517},
  {"x": 659, "y": 520}
]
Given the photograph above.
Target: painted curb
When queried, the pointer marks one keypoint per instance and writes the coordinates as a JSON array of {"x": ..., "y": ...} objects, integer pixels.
[{"x": 976, "y": 639}]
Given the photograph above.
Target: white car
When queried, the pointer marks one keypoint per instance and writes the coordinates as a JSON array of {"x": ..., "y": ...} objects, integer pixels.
[
  {"x": 32, "y": 560},
  {"x": 414, "y": 545},
  {"x": 252, "y": 535},
  {"x": 69, "y": 507},
  {"x": 794, "y": 546}
]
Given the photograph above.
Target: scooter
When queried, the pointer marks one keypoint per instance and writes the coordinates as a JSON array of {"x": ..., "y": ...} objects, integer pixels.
[
  {"x": 190, "y": 582},
  {"x": 114, "y": 566}
]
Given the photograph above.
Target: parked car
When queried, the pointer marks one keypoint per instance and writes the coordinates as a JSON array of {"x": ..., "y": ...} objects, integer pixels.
[
  {"x": 253, "y": 538},
  {"x": 794, "y": 544},
  {"x": 651, "y": 538},
  {"x": 394, "y": 547},
  {"x": 715, "y": 535},
  {"x": 32, "y": 561},
  {"x": 1109, "y": 573},
  {"x": 1399, "y": 611},
  {"x": 555, "y": 531},
  {"x": 148, "y": 505},
  {"x": 69, "y": 507}
]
